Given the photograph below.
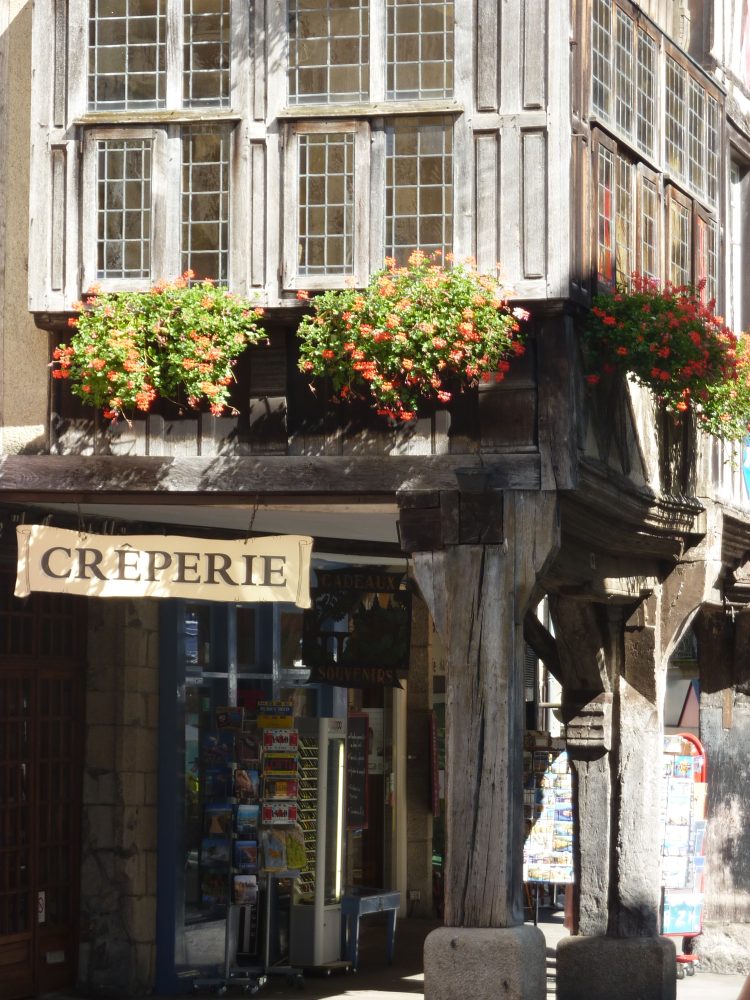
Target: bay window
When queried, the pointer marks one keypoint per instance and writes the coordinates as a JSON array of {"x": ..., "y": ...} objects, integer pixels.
[{"x": 650, "y": 160}]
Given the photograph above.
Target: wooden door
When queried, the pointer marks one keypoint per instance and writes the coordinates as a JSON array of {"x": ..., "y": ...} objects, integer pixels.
[{"x": 40, "y": 801}]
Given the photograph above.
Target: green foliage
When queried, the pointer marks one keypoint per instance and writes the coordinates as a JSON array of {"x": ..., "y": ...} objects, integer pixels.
[
  {"x": 178, "y": 340},
  {"x": 414, "y": 333},
  {"x": 669, "y": 340}
]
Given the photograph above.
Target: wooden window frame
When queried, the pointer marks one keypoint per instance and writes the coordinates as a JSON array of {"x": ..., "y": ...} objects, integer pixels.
[
  {"x": 700, "y": 254},
  {"x": 601, "y": 141},
  {"x": 166, "y": 207},
  {"x": 240, "y": 43},
  {"x": 608, "y": 117},
  {"x": 291, "y": 278},
  {"x": 672, "y": 194},
  {"x": 644, "y": 173}
]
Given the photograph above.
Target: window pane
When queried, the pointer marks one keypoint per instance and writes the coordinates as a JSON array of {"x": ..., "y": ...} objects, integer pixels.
[
  {"x": 326, "y": 203},
  {"x": 419, "y": 189},
  {"x": 624, "y": 242},
  {"x": 601, "y": 45},
  {"x": 605, "y": 217},
  {"x": 419, "y": 49},
  {"x": 646, "y": 91},
  {"x": 679, "y": 243},
  {"x": 206, "y": 53},
  {"x": 624, "y": 73},
  {"x": 124, "y": 208},
  {"x": 712, "y": 150},
  {"x": 696, "y": 136},
  {"x": 328, "y": 51},
  {"x": 649, "y": 244},
  {"x": 675, "y": 114},
  {"x": 127, "y": 64},
  {"x": 205, "y": 203},
  {"x": 706, "y": 261}
]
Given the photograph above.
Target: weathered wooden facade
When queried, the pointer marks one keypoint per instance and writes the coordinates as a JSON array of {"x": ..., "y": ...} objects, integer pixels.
[{"x": 287, "y": 145}]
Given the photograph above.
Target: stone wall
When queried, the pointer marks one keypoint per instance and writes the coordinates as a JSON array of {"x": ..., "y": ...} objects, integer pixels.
[
  {"x": 24, "y": 376},
  {"x": 118, "y": 871}
]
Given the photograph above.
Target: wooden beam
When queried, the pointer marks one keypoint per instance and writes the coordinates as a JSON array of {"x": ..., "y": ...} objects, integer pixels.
[{"x": 84, "y": 478}]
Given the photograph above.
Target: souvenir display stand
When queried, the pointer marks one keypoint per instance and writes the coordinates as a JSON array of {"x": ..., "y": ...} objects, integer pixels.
[
  {"x": 548, "y": 818},
  {"x": 683, "y": 834},
  {"x": 253, "y": 844}
]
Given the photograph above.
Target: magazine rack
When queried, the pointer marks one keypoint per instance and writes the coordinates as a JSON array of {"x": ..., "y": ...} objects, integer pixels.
[{"x": 684, "y": 828}]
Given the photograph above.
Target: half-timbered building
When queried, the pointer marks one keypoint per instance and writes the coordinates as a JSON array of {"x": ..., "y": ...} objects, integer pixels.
[{"x": 293, "y": 144}]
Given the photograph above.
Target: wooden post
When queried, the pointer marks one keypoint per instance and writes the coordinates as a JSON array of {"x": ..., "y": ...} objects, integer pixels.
[{"x": 477, "y": 594}]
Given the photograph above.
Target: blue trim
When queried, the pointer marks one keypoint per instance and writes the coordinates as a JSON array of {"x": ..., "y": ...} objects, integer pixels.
[{"x": 170, "y": 806}]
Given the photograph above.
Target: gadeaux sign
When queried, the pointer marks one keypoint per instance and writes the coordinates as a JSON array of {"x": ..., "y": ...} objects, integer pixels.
[
  {"x": 358, "y": 630},
  {"x": 57, "y": 560}
]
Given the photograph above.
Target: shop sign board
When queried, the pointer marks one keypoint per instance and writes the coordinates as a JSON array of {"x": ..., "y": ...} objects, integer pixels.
[
  {"x": 58, "y": 560},
  {"x": 357, "y": 632},
  {"x": 356, "y": 770}
]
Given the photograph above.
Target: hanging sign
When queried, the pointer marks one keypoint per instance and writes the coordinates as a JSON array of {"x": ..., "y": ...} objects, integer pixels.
[
  {"x": 358, "y": 630},
  {"x": 58, "y": 560}
]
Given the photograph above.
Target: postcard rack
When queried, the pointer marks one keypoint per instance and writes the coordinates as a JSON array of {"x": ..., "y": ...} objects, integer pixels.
[{"x": 252, "y": 843}]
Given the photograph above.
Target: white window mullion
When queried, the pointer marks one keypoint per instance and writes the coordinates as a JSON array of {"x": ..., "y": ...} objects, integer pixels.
[
  {"x": 361, "y": 203},
  {"x": 377, "y": 50},
  {"x": 167, "y": 190},
  {"x": 175, "y": 42}
]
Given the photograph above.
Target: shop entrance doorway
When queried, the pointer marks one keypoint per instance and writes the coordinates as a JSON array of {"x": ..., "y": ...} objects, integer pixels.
[{"x": 41, "y": 721}]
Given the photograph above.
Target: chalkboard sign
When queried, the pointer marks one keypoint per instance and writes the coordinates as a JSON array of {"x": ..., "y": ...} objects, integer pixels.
[{"x": 356, "y": 771}]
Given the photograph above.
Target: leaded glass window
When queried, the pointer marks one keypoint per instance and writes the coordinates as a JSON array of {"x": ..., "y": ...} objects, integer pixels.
[
  {"x": 328, "y": 51},
  {"x": 419, "y": 49},
  {"x": 123, "y": 242},
  {"x": 605, "y": 215},
  {"x": 325, "y": 163},
  {"x": 680, "y": 264},
  {"x": 129, "y": 65},
  {"x": 205, "y": 203},
  {"x": 127, "y": 54},
  {"x": 206, "y": 55},
  {"x": 419, "y": 189}
]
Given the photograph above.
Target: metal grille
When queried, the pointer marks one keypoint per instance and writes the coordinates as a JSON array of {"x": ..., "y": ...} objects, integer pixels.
[
  {"x": 624, "y": 223},
  {"x": 696, "y": 136},
  {"x": 127, "y": 54},
  {"x": 674, "y": 113},
  {"x": 15, "y": 806},
  {"x": 601, "y": 49},
  {"x": 205, "y": 202},
  {"x": 646, "y": 92},
  {"x": 328, "y": 51},
  {"x": 206, "y": 53},
  {"x": 624, "y": 72},
  {"x": 604, "y": 209},
  {"x": 649, "y": 243},
  {"x": 419, "y": 189},
  {"x": 326, "y": 203},
  {"x": 679, "y": 243},
  {"x": 419, "y": 49},
  {"x": 124, "y": 208}
]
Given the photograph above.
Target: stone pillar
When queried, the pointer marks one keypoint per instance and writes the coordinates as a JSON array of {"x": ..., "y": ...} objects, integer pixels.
[
  {"x": 477, "y": 594},
  {"x": 631, "y": 962},
  {"x": 118, "y": 864}
]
